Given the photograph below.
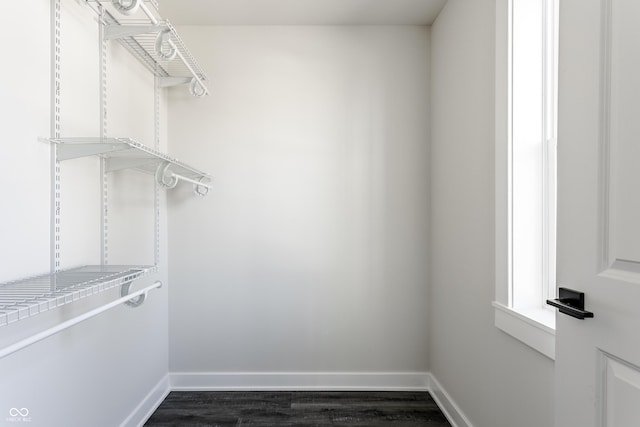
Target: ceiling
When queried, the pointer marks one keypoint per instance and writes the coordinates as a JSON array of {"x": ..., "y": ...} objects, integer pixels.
[{"x": 301, "y": 12}]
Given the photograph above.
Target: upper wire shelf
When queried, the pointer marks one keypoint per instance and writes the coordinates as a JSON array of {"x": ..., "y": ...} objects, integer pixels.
[
  {"x": 28, "y": 297},
  {"x": 126, "y": 153},
  {"x": 153, "y": 41}
]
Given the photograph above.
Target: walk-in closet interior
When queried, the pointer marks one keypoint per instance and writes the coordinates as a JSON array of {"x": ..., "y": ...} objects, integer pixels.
[{"x": 251, "y": 195}]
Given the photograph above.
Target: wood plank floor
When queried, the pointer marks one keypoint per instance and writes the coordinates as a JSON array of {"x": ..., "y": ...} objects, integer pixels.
[{"x": 300, "y": 408}]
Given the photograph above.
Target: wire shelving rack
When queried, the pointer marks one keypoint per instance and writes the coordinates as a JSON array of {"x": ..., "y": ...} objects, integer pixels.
[
  {"x": 24, "y": 298},
  {"x": 153, "y": 41}
]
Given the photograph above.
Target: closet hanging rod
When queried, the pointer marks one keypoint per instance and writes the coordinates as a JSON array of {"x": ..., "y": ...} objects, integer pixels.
[
  {"x": 147, "y": 12},
  {"x": 74, "y": 321},
  {"x": 193, "y": 181}
]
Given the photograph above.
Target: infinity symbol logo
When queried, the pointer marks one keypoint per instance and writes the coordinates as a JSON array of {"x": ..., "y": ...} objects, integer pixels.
[{"x": 14, "y": 412}]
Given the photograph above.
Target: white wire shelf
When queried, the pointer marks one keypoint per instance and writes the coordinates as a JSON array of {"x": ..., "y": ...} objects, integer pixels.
[
  {"x": 154, "y": 42},
  {"x": 28, "y": 297},
  {"x": 126, "y": 153}
]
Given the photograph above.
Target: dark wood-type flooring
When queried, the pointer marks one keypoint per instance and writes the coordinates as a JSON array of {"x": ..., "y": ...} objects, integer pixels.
[{"x": 299, "y": 408}]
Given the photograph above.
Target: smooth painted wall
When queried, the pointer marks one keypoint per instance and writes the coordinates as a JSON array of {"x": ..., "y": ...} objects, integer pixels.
[
  {"x": 98, "y": 372},
  {"x": 310, "y": 252},
  {"x": 496, "y": 380}
]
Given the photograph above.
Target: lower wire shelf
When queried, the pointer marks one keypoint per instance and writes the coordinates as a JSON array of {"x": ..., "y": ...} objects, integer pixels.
[{"x": 25, "y": 298}]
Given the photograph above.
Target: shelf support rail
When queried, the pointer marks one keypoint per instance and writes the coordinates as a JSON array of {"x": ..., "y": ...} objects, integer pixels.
[{"x": 78, "y": 319}]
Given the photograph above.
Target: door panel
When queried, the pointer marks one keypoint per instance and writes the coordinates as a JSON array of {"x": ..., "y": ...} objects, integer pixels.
[
  {"x": 622, "y": 112},
  {"x": 597, "y": 379},
  {"x": 621, "y": 393}
]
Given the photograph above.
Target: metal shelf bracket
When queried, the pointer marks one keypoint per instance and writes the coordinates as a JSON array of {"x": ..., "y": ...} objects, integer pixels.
[{"x": 116, "y": 31}]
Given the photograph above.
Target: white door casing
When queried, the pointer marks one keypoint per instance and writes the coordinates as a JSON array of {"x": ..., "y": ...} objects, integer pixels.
[{"x": 598, "y": 360}]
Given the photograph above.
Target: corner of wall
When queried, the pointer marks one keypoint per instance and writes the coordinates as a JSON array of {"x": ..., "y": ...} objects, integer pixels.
[{"x": 148, "y": 405}]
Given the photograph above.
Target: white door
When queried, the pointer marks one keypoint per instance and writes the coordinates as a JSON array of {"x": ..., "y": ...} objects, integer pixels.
[{"x": 598, "y": 359}]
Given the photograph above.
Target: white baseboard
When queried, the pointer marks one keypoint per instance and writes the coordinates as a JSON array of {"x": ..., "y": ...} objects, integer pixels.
[
  {"x": 287, "y": 381},
  {"x": 450, "y": 409},
  {"x": 149, "y": 404},
  {"x": 299, "y": 381}
]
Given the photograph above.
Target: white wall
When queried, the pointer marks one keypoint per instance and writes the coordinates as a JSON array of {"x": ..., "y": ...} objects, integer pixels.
[
  {"x": 98, "y": 372},
  {"x": 496, "y": 380},
  {"x": 310, "y": 253}
]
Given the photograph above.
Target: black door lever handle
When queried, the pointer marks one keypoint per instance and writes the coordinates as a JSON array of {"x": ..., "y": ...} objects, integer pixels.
[{"x": 571, "y": 303}]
